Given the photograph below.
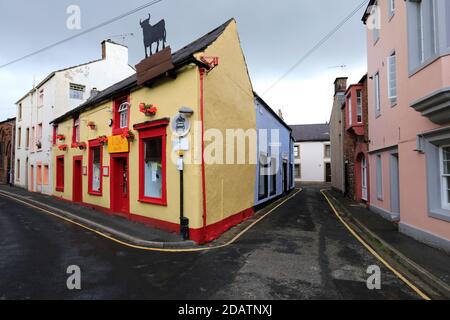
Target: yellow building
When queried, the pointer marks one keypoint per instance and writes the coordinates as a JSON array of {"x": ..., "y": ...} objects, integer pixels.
[{"x": 112, "y": 156}]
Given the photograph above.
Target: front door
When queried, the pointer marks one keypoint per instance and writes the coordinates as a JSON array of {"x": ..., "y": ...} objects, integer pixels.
[
  {"x": 395, "y": 184},
  {"x": 327, "y": 172},
  {"x": 363, "y": 178},
  {"x": 285, "y": 177},
  {"x": 120, "y": 199},
  {"x": 77, "y": 195}
]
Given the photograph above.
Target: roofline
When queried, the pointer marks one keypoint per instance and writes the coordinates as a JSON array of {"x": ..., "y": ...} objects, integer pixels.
[
  {"x": 8, "y": 120},
  {"x": 367, "y": 13},
  {"x": 272, "y": 111},
  {"x": 51, "y": 75},
  {"x": 313, "y": 140}
]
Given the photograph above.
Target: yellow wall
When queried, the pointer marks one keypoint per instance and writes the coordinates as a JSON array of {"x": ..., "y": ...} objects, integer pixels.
[
  {"x": 229, "y": 104},
  {"x": 169, "y": 96}
]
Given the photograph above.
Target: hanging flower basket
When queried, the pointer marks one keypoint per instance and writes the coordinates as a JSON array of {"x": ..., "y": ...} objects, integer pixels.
[
  {"x": 74, "y": 145},
  {"x": 129, "y": 135},
  {"x": 61, "y": 137},
  {"x": 103, "y": 140},
  {"x": 62, "y": 147},
  {"x": 91, "y": 125},
  {"x": 82, "y": 145},
  {"x": 150, "y": 110}
]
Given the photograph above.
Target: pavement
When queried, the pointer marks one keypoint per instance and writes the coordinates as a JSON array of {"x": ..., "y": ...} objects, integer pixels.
[
  {"x": 299, "y": 251},
  {"x": 427, "y": 267}
]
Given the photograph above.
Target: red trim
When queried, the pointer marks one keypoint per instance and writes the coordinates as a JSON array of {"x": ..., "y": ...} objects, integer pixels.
[
  {"x": 151, "y": 124},
  {"x": 116, "y": 130},
  {"x": 113, "y": 185},
  {"x": 74, "y": 131},
  {"x": 95, "y": 144},
  {"x": 59, "y": 174},
  {"x": 77, "y": 184},
  {"x": 147, "y": 133},
  {"x": 55, "y": 133},
  {"x": 202, "y": 78}
]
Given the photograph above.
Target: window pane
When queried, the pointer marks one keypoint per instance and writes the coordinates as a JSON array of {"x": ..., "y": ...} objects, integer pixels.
[
  {"x": 153, "y": 168},
  {"x": 96, "y": 169}
]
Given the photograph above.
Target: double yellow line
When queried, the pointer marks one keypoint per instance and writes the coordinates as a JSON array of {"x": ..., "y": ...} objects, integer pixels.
[
  {"x": 129, "y": 245},
  {"x": 374, "y": 253}
]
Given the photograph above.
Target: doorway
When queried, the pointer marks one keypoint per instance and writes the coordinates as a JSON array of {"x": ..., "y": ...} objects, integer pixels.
[
  {"x": 285, "y": 177},
  {"x": 31, "y": 187},
  {"x": 77, "y": 194},
  {"x": 395, "y": 184},
  {"x": 120, "y": 197},
  {"x": 364, "y": 193},
  {"x": 328, "y": 172}
]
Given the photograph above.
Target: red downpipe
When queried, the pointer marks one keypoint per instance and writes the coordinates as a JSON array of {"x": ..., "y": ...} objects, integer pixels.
[{"x": 202, "y": 78}]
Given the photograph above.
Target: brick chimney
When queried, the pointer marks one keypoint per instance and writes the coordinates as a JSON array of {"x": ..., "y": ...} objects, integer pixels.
[{"x": 340, "y": 85}]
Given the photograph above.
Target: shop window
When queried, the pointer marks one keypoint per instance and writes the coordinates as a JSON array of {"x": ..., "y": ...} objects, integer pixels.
[
  {"x": 60, "y": 174},
  {"x": 95, "y": 169},
  {"x": 152, "y": 163}
]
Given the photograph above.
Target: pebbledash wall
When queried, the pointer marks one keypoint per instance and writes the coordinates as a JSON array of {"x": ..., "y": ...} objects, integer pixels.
[
  {"x": 217, "y": 196},
  {"x": 52, "y": 98},
  {"x": 411, "y": 125}
]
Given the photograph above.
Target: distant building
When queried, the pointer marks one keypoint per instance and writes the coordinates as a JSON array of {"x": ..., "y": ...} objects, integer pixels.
[
  {"x": 337, "y": 135},
  {"x": 312, "y": 153},
  {"x": 7, "y": 150},
  {"x": 409, "y": 116},
  {"x": 59, "y": 92}
]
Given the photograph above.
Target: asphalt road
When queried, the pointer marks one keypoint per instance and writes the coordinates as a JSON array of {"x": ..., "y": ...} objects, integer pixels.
[{"x": 301, "y": 251}]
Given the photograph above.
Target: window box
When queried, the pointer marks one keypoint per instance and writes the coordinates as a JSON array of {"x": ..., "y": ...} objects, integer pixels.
[
  {"x": 103, "y": 140},
  {"x": 61, "y": 137},
  {"x": 129, "y": 135},
  {"x": 63, "y": 147},
  {"x": 149, "y": 110}
]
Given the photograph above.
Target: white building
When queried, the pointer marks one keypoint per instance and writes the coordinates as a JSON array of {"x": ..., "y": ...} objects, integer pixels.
[
  {"x": 312, "y": 153},
  {"x": 58, "y": 93}
]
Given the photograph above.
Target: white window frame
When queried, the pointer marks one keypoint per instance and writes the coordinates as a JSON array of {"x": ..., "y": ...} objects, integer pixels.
[
  {"x": 350, "y": 113},
  {"x": 123, "y": 115},
  {"x": 77, "y": 89},
  {"x": 376, "y": 79},
  {"x": 445, "y": 201},
  {"x": 359, "y": 111},
  {"x": 392, "y": 77}
]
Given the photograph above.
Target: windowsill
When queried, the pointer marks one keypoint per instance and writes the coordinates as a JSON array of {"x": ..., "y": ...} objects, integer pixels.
[
  {"x": 95, "y": 194},
  {"x": 158, "y": 202},
  {"x": 377, "y": 115},
  {"x": 440, "y": 214},
  {"x": 376, "y": 41},
  {"x": 391, "y": 16},
  {"x": 119, "y": 131},
  {"x": 415, "y": 70},
  {"x": 394, "y": 104}
]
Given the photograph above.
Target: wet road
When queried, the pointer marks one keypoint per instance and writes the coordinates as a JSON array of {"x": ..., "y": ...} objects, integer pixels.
[{"x": 301, "y": 251}]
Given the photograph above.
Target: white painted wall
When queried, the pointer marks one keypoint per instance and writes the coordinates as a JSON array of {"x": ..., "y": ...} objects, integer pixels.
[
  {"x": 312, "y": 159},
  {"x": 100, "y": 74}
]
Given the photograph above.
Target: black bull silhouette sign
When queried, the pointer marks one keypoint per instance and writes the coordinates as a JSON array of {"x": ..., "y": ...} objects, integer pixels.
[{"x": 153, "y": 34}]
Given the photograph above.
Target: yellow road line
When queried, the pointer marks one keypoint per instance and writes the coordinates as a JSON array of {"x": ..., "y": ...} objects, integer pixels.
[
  {"x": 104, "y": 235},
  {"x": 374, "y": 253}
]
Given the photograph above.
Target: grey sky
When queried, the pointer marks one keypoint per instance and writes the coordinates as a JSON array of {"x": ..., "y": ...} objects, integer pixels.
[{"x": 274, "y": 35}]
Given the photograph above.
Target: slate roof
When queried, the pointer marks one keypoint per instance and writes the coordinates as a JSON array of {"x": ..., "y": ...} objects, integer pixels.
[
  {"x": 367, "y": 12},
  {"x": 311, "y": 132},
  {"x": 180, "y": 58}
]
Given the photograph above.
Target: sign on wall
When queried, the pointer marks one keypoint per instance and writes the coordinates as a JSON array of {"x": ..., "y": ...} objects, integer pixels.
[{"x": 118, "y": 144}]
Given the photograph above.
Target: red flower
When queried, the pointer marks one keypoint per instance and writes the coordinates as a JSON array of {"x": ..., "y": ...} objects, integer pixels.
[
  {"x": 62, "y": 147},
  {"x": 148, "y": 108},
  {"x": 60, "y": 137}
]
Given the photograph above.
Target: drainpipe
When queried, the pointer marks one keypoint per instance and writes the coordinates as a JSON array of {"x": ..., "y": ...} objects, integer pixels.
[{"x": 202, "y": 79}]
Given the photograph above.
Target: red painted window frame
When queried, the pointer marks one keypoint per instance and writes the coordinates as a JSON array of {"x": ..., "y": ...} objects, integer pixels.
[
  {"x": 147, "y": 131},
  {"x": 95, "y": 144},
  {"x": 74, "y": 131},
  {"x": 55, "y": 133},
  {"x": 59, "y": 185},
  {"x": 116, "y": 130}
]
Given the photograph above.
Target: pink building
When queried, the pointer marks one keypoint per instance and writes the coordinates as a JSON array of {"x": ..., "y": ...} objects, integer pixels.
[{"x": 409, "y": 115}]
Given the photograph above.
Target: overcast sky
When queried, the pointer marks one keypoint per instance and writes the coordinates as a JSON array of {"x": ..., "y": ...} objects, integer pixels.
[{"x": 274, "y": 35}]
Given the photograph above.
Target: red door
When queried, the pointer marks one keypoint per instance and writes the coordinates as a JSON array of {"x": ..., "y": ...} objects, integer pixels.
[
  {"x": 77, "y": 193},
  {"x": 120, "y": 199}
]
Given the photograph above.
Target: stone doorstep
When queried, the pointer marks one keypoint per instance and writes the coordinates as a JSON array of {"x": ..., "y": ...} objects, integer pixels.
[{"x": 432, "y": 285}]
